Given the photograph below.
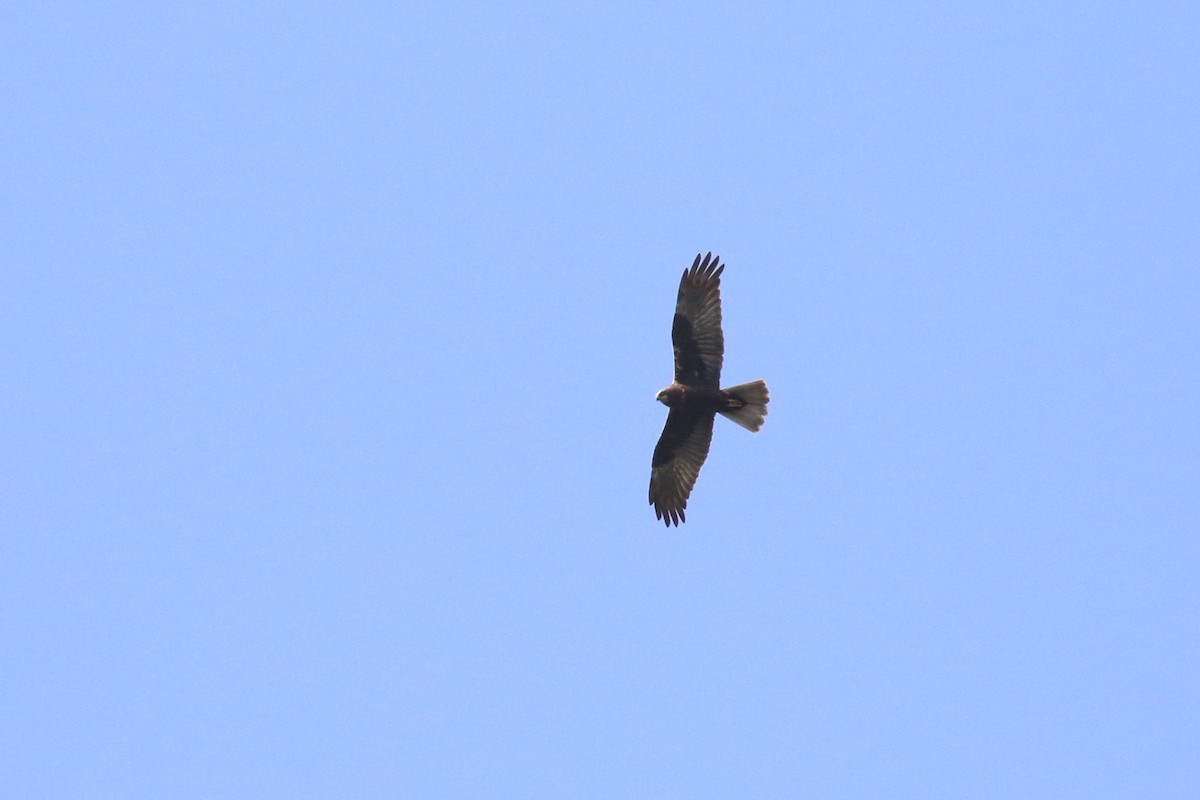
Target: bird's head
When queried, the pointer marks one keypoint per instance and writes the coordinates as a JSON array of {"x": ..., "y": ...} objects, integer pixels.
[{"x": 669, "y": 396}]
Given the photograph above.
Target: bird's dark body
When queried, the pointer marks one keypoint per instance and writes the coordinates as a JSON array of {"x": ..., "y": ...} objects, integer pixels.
[{"x": 695, "y": 398}]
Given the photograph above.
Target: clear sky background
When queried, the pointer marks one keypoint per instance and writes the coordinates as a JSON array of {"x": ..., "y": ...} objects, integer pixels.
[{"x": 331, "y": 334}]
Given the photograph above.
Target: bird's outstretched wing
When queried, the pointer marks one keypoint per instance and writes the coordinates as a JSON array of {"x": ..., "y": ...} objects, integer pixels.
[
  {"x": 696, "y": 332},
  {"x": 680, "y": 453}
]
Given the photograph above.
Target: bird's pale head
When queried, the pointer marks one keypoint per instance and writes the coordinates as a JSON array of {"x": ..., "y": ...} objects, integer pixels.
[{"x": 671, "y": 395}]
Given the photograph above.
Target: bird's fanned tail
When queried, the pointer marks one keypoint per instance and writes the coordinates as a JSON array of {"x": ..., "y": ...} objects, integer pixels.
[{"x": 746, "y": 404}]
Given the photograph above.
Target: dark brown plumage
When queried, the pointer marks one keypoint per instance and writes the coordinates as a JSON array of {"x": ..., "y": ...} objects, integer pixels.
[{"x": 696, "y": 396}]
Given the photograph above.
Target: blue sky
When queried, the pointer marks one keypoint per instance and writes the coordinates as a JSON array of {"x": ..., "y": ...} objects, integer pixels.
[{"x": 331, "y": 337}]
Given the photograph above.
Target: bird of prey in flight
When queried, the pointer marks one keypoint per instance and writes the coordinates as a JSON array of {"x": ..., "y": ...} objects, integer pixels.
[{"x": 696, "y": 396}]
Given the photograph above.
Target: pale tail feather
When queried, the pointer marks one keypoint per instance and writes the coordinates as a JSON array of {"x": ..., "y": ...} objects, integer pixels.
[{"x": 754, "y": 398}]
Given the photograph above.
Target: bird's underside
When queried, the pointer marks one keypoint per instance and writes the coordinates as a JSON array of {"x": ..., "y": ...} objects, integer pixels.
[{"x": 695, "y": 397}]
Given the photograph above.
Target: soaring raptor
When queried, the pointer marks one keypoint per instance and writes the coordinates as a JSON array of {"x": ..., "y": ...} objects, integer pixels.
[{"x": 696, "y": 396}]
